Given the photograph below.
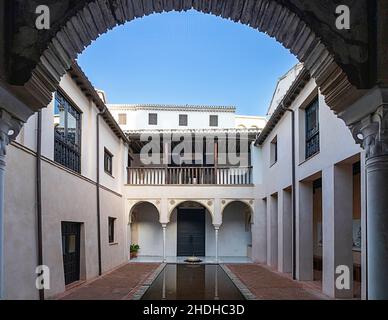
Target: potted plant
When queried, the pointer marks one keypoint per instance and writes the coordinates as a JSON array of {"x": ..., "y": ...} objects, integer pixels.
[{"x": 134, "y": 249}]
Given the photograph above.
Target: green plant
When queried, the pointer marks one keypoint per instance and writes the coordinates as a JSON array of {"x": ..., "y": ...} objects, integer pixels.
[{"x": 134, "y": 248}]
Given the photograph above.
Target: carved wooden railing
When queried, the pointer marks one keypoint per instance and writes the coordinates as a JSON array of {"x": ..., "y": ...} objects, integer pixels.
[{"x": 190, "y": 176}]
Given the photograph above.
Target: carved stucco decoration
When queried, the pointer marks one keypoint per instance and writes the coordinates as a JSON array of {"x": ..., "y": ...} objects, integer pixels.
[
  {"x": 132, "y": 203},
  {"x": 306, "y": 28},
  {"x": 372, "y": 133},
  {"x": 207, "y": 203}
]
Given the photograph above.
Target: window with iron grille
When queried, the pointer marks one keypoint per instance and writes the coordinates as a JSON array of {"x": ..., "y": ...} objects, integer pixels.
[
  {"x": 67, "y": 134},
  {"x": 111, "y": 229},
  {"x": 213, "y": 121},
  {"x": 274, "y": 151},
  {"x": 153, "y": 119},
  {"x": 108, "y": 162},
  {"x": 183, "y": 120},
  {"x": 312, "y": 129},
  {"x": 122, "y": 119}
]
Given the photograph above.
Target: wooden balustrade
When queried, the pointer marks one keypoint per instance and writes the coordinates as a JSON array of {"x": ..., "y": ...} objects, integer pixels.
[{"x": 190, "y": 176}]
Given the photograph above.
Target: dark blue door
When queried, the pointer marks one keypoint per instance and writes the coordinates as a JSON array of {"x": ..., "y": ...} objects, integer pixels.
[{"x": 191, "y": 232}]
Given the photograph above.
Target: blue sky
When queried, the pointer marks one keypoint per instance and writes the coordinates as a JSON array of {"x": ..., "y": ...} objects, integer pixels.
[{"x": 187, "y": 58}]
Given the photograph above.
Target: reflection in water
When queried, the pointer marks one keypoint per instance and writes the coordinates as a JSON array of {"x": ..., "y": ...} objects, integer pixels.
[{"x": 192, "y": 282}]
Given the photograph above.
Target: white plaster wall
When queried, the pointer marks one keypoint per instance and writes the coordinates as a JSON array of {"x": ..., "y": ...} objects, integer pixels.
[
  {"x": 88, "y": 138},
  {"x": 149, "y": 229},
  {"x": 113, "y": 255},
  {"x": 249, "y": 122},
  {"x": 234, "y": 235},
  {"x": 336, "y": 144},
  {"x": 282, "y": 87},
  {"x": 20, "y": 247},
  {"x": 66, "y": 196},
  {"x": 169, "y": 119}
]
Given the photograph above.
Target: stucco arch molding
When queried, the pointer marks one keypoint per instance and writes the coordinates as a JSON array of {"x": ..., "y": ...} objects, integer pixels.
[
  {"x": 249, "y": 202},
  {"x": 207, "y": 203},
  {"x": 132, "y": 203}
]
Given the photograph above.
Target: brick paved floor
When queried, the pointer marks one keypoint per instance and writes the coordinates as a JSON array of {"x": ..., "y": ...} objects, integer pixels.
[
  {"x": 267, "y": 284},
  {"x": 264, "y": 283},
  {"x": 117, "y": 285}
]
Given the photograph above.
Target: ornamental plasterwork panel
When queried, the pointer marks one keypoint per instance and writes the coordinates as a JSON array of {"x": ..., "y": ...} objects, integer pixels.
[
  {"x": 133, "y": 202},
  {"x": 207, "y": 203}
]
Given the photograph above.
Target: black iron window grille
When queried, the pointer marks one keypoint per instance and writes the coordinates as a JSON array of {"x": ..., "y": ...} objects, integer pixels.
[
  {"x": 183, "y": 120},
  {"x": 67, "y": 134},
  {"x": 312, "y": 129},
  {"x": 213, "y": 121},
  {"x": 152, "y": 119}
]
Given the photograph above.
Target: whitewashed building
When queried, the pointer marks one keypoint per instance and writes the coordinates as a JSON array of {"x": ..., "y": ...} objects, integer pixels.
[{"x": 99, "y": 185}]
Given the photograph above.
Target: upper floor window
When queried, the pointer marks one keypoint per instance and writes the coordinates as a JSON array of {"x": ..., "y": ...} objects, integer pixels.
[
  {"x": 122, "y": 119},
  {"x": 274, "y": 151},
  {"x": 312, "y": 129},
  {"x": 67, "y": 134},
  {"x": 183, "y": 120},
  {"x": 108, "y": 162},
  {"x": 213, "y": 121},
  {"x": 153, "y": 119},
  {"x": 111, "y": 229}
]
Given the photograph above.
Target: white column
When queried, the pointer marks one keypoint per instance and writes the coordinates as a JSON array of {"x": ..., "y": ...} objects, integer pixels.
[
  {"x": 337, "y": 228},
  {"x": 259, "y": 232},
  {"x": 164, "y": 226},
  {"x": 9, "y": 129},
  {"x": 304, "y": 231},
  {"x": 216, "y": 229},
  {"x": 2, "y": 178},
  {"x": 374, "y": 138},
  {"x": 272, "y": 231},
  {"x": 285, "y": 232},
  {"x": 363, "y": 229}
]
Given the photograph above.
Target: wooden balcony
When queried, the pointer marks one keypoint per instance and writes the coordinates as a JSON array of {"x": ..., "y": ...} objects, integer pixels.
[{"x": 190, "y": 176}]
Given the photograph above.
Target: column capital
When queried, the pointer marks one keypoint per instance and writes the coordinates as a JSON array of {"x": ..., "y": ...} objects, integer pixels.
[
  {"x": 9, "y": 129},
  {"x": 372, "y": 133},
  {"x": 216, "y": 226}
]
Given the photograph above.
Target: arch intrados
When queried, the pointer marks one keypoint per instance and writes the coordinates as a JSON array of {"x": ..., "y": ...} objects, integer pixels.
[
  {"x": 191, "y": 201},
  {"x": 98, "y": 17},
  {"x": 137, "y": 204}
]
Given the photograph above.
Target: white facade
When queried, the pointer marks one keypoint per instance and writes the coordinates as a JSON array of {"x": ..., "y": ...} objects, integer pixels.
[
  {"x": 136, "y": 117},
  {"x": 249, "y": 218},
  {"x": 67, "y": 196}
]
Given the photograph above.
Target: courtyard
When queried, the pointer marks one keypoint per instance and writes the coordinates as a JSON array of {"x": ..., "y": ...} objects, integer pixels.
[
  {"x": 247, "y": 136},
  {"x": 126, "y": 281}
]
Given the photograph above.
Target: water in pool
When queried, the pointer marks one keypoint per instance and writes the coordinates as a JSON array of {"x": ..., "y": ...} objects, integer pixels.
[{"x": 192, "y": 282}]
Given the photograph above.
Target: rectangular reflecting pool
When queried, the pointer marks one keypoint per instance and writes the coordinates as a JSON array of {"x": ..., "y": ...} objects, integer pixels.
[{"x": 192, "y": 282}]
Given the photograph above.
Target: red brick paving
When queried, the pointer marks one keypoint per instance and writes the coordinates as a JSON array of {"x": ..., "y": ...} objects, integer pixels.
[
  {"x": 117, "y": 285},
  {"x": 266, "y": 284}
]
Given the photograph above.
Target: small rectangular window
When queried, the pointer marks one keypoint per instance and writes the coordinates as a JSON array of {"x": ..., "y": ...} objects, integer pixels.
[
  {"x": 274, "y": 151},
  {"x": 213, "y": 121},
  {"x": 111, "y": 229},
  {"x": 152, "y": 119},
  {"x": 122, "y": 119},
  {"x": 183, "y": 120},
  {"x": 108, "y": 162}
]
